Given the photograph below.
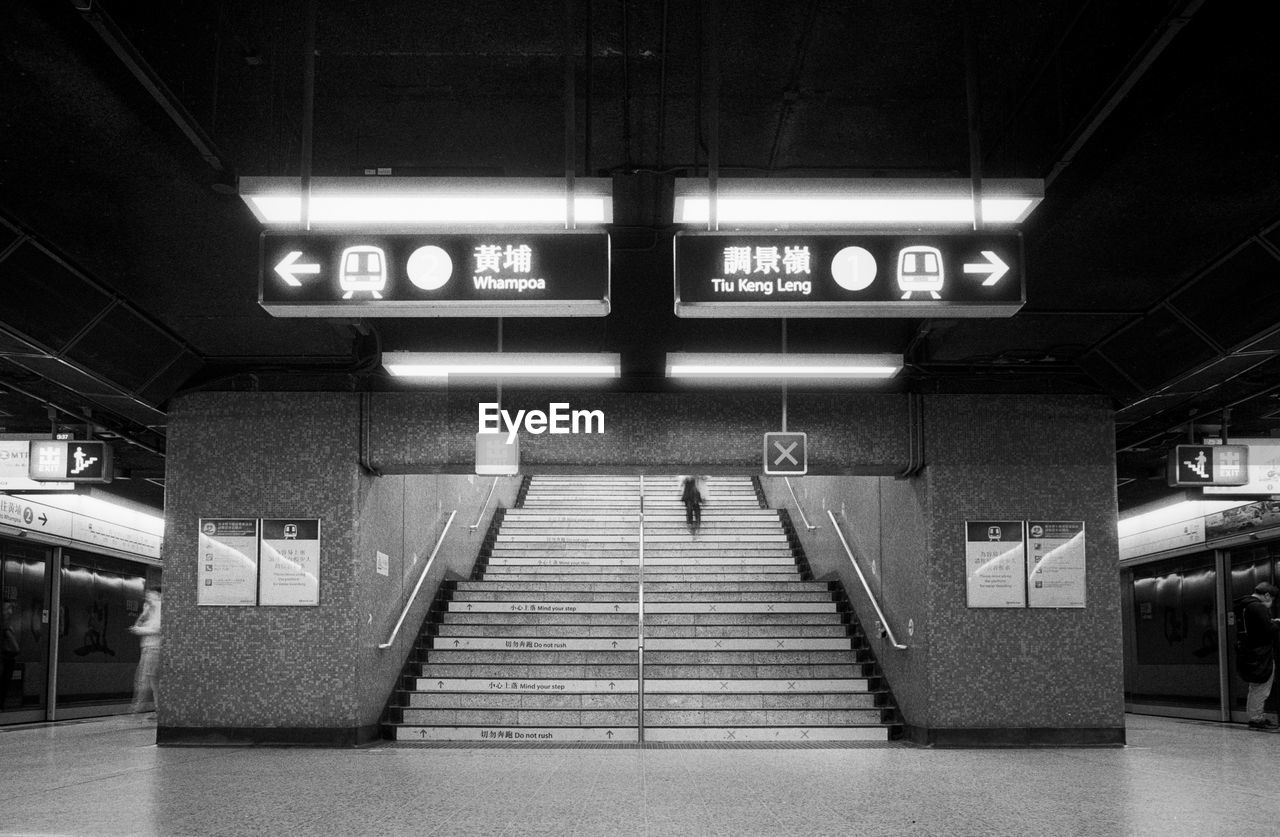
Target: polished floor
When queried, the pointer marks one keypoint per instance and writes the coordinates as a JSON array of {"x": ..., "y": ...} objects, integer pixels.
[{"x": 107, "y": 777}]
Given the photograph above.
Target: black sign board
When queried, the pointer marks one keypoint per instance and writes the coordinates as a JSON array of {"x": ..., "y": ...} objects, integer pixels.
[
  {"x": 1190, "y": 465},
  {"x": 490, "y": 274},
  {"x": 75, "y": 461},
  {"x": 736, "y": 274}
]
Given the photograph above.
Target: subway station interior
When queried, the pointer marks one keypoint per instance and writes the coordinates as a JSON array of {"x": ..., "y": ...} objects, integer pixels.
[{"x": 637, "y": 417}]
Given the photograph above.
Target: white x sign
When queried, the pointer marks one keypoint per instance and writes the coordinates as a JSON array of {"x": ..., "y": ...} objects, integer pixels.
[{"x": 785, "y": 454}]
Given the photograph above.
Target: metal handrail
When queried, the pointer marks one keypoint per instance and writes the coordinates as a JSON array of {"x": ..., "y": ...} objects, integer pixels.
[
  {"x": 884, "y": 623},
  {"x": 476, "y": 525},
  {"x": 803, "y": 519},
  {"x": 414, "y": 595}
]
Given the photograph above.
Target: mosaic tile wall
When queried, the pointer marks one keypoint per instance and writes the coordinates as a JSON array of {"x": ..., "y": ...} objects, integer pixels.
[
  {"x": 1022, "y": 458},
  {"x": 984, "y": 669},
  {"x": 300, "y": 668}
]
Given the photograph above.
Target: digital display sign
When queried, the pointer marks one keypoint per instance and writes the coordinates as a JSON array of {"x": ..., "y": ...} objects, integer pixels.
[
  {"x": 752, "y": 274},
  {"x": 430, "y": 274}
]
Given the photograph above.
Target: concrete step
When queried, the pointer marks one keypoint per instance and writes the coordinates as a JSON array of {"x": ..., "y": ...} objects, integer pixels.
[
  {"x": 737, "y": 607},
  {"x": 747, "y": 672},
  {"x": 550, "y": 658},
  {"x": 559, "y": 594},
  {"x": 579, "y": 630},
  {"x": 652, "y": 631},
  {"x": 657, "y": 702},
  {"x": 528, "y": 685},
  {"x": 733, "y": 583},
  {"x": 758, "y": 718},
  {"x": 516, "y": 539},
  {"x": 545, "y": 701},
  {"x": 563, "y": 576},
  {"x": 511, "y": 735},
  {"x": 764, "y": 735},
  {"x": 565, "y": 564},
  {"x": 779, "y": 597},
  {"x": 527, "y": 671},
  {"x": 542, "y": 643},
  {"x": 543, "y": 607},
  {"x": 770, "y": 576},
  {"x": 757, "y": 657},
  {"x": 612, "y": 621},
  {"x": 654, "y": 645},
  {"x": 542, "y": 584},
  {"x": 774, "y": 620},
  {"x": 519, "y": 717},
  {"x": 656, "y": 686}
]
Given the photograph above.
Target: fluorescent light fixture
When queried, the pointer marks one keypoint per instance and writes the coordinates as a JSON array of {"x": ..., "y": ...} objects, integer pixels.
[
  {"x": 770, "y": 366},
  {"x": 441, "y": 366},
  {"x": 867, "y": 202},
  {"x": 346, "y": 202}
]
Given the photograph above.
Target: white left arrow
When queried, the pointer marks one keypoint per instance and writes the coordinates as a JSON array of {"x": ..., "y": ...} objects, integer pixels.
[
  {"x": 994, "y": 266},
  {"x": 288, "y": 269}
]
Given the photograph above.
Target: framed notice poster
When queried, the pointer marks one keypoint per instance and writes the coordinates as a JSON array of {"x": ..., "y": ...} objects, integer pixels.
[
  {"x": 227, "y": 572},
  {"x": 995, "y": 563},
  {"x": 1055, "y": 563},
  {"x": 289, "y": 573}
]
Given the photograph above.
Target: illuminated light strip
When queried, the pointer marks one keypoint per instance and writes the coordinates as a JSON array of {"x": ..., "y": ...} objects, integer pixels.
[
  {"x": 366, "y": 201},
  {"x": 855, "y": 202},
  {"x": 441, "y": 366},
  {"x": 686, "y": 365},
  {"x": 770, "y": 210}
]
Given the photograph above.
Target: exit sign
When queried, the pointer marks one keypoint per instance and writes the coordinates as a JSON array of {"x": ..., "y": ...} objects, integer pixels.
[
  {"x": 70, "y": 461},
  {"x": 1191, "y": 465}
]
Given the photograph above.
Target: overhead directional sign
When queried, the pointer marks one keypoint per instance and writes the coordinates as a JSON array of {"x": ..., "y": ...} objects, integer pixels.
[
  {"x": 785, "y": 454},
  {"x": 1208, "y": 465},
  {"x": 70, "y": 461},
  {"x": 491, "y": 274},
  {"x": 736, "y": 274}
]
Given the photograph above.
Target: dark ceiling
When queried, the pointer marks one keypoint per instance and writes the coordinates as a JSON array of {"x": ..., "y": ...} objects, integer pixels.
[{"x": 129, "y": 266}]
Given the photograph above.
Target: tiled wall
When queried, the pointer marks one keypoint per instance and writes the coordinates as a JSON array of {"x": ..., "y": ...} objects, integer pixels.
[{"x": 978, "y": 675}]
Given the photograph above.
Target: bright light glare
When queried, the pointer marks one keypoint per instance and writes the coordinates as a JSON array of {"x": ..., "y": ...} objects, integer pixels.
[
  {"x": 401, "y": 208},
  {"x": 444, "y": 365},
  {"x": 681, "y": 365},
  {"x": 1180, "y": 512},
  {"x": 767, "y": 209}
]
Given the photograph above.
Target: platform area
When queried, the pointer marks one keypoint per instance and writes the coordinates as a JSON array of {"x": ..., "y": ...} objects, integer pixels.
[{"x": 107, "y": 777}]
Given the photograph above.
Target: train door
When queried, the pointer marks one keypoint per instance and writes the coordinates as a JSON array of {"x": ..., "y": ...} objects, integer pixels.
[
  {"x": 1249, "y": 566},
  {"x": 24, "y": 592}
]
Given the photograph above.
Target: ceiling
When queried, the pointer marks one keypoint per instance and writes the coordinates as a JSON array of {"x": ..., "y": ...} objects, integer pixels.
[{"x": 128, "y": 265}]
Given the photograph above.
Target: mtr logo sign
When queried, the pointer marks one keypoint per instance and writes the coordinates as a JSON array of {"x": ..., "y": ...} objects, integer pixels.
[{"x": 72, "y": 461}]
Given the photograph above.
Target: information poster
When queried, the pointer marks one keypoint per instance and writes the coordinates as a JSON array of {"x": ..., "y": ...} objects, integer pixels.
[
  {"x": 228, "y": 568},
  {"x": 995, "y": 564},
  {"x": 290, "y": 569},
  {"x": 1055, "y": 563}
]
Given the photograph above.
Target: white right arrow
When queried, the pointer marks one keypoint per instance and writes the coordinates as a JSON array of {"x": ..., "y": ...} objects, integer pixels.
[
  {"x": 289, "y": 268},
  {"x": 994, "y": 266}
]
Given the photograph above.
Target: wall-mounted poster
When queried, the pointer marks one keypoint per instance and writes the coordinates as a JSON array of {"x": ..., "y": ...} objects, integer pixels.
[
  {"x": 227, "y": 573},
  {"x": 1055, "y": 563},
  {"x": 995, "y": 565},
  {"x": 290, "y": 569}
]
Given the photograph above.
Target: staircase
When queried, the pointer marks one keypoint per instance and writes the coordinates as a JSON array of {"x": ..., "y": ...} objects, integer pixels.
[
  {"x": 739, "y": 645},
  {"x": 542, "y": 644}
]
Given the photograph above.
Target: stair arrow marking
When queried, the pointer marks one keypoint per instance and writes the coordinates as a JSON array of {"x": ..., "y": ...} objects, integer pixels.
[
  {"x": 43, "y": 518},
  {"x": 610, "y": 734},
  {"x": 440, "y": 683}
]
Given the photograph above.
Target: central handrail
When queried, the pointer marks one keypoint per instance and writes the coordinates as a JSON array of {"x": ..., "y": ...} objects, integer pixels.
[
  {"x": 884, "y": 623},
  {"x": 414, "y": 595},
  {"x": 485, "y": 508},
  {"x": 640, "y": 621},
  {"x": 800, "y": 509}
]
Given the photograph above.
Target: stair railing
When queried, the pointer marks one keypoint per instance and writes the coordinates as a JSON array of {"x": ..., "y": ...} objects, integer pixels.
[
  {"x": 640, "y": 620},
  {"x": 417, "y": 587},
  {"x": 476, "y": 525},
  {"x": 883, "y": 623},
  {"x": 807, "y": 525}
]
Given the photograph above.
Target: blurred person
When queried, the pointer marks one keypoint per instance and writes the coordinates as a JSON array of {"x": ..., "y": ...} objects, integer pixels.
[{"x": 148, "y": 628}]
